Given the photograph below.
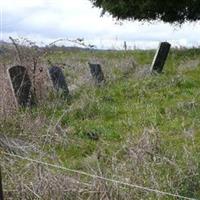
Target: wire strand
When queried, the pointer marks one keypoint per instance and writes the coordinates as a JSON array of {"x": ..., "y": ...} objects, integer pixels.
[{"x": 100, "y": 177}]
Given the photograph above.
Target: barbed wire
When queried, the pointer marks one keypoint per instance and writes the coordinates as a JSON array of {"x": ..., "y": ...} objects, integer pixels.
[{"x": 100, "y": 177}]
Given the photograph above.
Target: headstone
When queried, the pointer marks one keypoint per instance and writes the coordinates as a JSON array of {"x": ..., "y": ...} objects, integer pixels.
[
  {"x": 8, "y": 102},
  {"x": 42, "y": 83},
  {"x": 160, "y": 57},
  {"x": 58, "y": 80},
  {"x": 21, "y": 85},
  {"x": 96, "y": 73}
]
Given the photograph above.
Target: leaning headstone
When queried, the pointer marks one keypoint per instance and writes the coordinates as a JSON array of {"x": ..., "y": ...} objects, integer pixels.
[
  {"x": 42, "y": 83},
  {"x": 21, "y": 85},
  {"x": 160, "y": 57},
  {"x": 8, "y": 102},
  {"x": 96, "y": 73},
  {"x": 58, "y": 79}
]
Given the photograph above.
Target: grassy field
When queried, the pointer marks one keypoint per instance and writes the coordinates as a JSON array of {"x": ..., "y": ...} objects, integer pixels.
[{"x": 137, "y": 128}]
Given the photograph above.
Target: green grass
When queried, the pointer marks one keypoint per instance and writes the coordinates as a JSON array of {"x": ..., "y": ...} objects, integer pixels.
[{"x": 155, "y": 116}]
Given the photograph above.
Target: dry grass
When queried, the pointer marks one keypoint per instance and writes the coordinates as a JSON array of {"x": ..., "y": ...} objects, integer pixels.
[{"x": 143, "y": 155}]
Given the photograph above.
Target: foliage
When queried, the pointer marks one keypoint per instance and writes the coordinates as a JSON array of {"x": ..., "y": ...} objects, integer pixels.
[
  {"x": 165, "y": 10},
  {"x": 137, "y": 128}
]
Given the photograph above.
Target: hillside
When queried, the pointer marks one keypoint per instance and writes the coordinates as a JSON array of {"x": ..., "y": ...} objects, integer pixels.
[{"x": 137, "y": 128}]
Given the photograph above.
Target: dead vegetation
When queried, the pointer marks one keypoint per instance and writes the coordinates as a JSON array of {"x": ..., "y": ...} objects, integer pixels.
[{"x": 143, "y": 157}]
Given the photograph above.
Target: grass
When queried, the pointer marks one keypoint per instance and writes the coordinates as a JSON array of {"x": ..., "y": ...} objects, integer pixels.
[{"x": 138, "y": 128}]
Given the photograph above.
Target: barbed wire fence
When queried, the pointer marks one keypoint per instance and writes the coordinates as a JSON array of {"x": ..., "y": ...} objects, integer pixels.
[{"x": 118, "y": 182}]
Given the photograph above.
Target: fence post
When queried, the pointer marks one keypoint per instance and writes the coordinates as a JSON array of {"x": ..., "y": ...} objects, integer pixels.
[{"x": 1, "y": 186}]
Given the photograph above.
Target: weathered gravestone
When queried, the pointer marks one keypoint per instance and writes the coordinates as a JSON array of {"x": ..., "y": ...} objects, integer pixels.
[
  {"x": 21, "y": 85},
  {"x": 160, "y": 57},
  {"x": 42, "y": 83},
  {"x": 59, "y": 81},
  {"x": 8, "y": 103},
  {"x": 96, "y": 73}
]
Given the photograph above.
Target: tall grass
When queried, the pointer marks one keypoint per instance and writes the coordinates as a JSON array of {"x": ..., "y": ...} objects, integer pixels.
[{"x": 137, "y": 128}]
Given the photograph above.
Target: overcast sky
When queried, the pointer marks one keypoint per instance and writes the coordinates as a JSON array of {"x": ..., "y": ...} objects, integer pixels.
[{"x": 44, "y": 21}]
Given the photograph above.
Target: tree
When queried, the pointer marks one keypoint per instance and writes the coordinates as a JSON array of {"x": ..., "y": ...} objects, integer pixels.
[{"x": 166, "y": 10}]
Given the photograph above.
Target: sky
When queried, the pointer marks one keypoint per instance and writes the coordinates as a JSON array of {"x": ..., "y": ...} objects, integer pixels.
[{"x": 44, "y": 21}]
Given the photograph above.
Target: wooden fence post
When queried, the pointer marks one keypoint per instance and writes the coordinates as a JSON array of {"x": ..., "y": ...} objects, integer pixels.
[{"x": 1, "y": 186}]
